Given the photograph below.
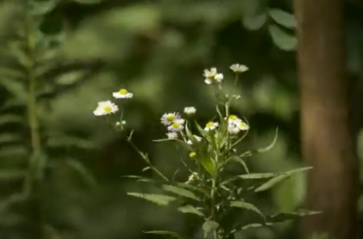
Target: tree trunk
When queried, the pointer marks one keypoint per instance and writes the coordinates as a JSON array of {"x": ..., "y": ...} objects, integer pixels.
[{"x": 327, "y": 139}]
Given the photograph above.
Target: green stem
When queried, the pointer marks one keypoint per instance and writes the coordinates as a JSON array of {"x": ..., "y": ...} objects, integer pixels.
[
  {"x": 31, "y": 185},
  {"x": 146, "y": 159}
]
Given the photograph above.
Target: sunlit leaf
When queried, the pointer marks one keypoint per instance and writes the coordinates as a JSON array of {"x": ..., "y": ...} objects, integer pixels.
[
  {"x": 162, "y": 200},
  {"x": 190, "y": 209}
]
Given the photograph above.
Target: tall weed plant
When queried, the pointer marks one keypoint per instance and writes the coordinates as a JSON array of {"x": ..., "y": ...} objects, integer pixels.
[{"x": 212, "y": 192}]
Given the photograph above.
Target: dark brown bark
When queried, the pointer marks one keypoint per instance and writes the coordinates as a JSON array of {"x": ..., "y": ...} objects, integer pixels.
[{"x": 327, "y": 141}]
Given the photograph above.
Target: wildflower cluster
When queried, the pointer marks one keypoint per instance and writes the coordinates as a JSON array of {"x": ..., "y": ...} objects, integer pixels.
[{"x": 211, "y": 191}]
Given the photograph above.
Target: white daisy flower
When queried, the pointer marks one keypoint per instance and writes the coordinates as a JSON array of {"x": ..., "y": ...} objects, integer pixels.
[
  {"x": 172, "y": 135},
  {"x": 237, "y": 126},
  {"x": 190, "y": 110},
  {"x": 233, "y": 119},
  {"x": 196, "y": 137},
  {"x": 238, "y": 68},
  {"x": 243, "y": 126},
  {"x": 105, "y": 108},
  {"x": 177, "y": 125},
  {"x": 233, "y": 129},
  {"x": 219, "y": 77},
  {"x": 210, "y": 73},
  {"x": 211, "y": 126},
  {"x": 212, "y": 76},
  {"x": 122, "y": 94},
  {"x": 169, "y": 118}
]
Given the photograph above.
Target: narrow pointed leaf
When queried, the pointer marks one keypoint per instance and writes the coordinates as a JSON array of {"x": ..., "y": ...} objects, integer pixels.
[
  {"x": 165, "y": 233},
  {"x": 282, "y": 217},
  {"x": 181, "y": 192},
  {"x": 247, "y": 206},
  {"x": 272, "y": 182},
  {"x": 162, "y": 200}
]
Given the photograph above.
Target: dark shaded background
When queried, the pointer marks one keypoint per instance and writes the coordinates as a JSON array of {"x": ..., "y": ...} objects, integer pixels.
[{"x": 157, "y": 50}]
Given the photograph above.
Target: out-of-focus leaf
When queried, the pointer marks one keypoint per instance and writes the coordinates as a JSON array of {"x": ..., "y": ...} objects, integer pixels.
[
  {"x": 282, "y": 39},
  {"x": 12, "y": 174},
  {"x": 209, "y": 226},
  {"x": 165, "y": 233},
  {"x": 162, "y": 200},
  {"x": 14, "y": 87},
  {"x": 254, "y": 22},
  {"x": 283, "y": 18},
  {"x": 42, "y": 7},
  {"x": 11, "y": 119},
  {"x": 82, "y": 171},
  {"x": 282, "y": 217},
  {"x": 190, "y": 209},
  {"x": 10, "y": 138},
  {"x": 88, "y": 1}
]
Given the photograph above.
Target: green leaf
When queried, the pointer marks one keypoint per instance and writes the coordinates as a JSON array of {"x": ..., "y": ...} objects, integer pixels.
[
  {"x": 12, "y": 174},
  {"x": 247, "y": 206},
  {"x": 88, "y": 1},
  {"x": 10, "y": 119},
  {"x": 272, "y": 182},
  {"x": 82, "y": 171},
  {"x": 165, "y": 233},
  {"x": 209, "y": 226},
  {"x": 248, "y": 226},
  {"x": 255, "y": 22},
  {"x": 282, "y": 217},
  {"x": 162, "y": 200},
  {"x": 42, "y": 7},
  {"x": 258, "y": 175},
  {"x": 239, "y": 160},
  {"x": 14, "y": 87},
  {"x": 283, "y": 18},
  {"x": 10, "y": 138},
  {"x": 180, "y": 192},
  {"x": 190, "y": 209},
  {"x": 282, "y": 39},
  {"x": 264, "y": 149}
]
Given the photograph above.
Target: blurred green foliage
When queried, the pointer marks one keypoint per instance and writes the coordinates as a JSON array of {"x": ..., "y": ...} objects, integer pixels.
[{"x": 157, "y": 49}]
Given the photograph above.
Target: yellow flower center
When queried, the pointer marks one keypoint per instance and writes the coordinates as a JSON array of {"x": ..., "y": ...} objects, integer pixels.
[
  {"x": 232, "y": 117},
  {"x": 243, "y": 125},
  {"x": 122, "y": 92},
  {"x": 209, "y": 124},
  {"x": 192, "y": 154},
  {"x": 170, "y": 118},
  {"x": 175, "y": 125},
  {"x": 107, "y": 109}
]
